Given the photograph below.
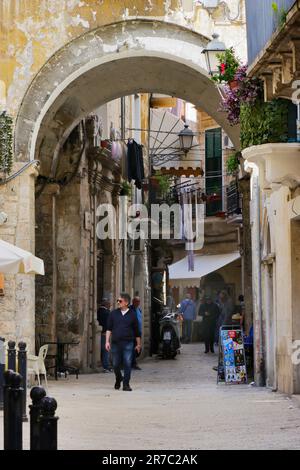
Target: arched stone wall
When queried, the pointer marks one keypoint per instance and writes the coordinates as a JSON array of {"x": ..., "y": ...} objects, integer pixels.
[{"x": 112, "y": 61}]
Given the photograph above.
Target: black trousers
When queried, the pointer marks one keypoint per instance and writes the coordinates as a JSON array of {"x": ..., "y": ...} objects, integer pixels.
[
  {"x": 209, "y": 337},
  {"x": 209, "y": 345}
]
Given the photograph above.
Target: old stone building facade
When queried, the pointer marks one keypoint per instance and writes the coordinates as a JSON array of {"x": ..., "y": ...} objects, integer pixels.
[
  {"x": 61, "y": 61},
  {"x": 274, "y": 168}
]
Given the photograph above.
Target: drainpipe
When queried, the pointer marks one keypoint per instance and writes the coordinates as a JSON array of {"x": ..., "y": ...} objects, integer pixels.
[
  {"x": 54, "y": 270},
  {"x": 259, "y": 360},
  {"x": 123, "y": 118},
  {"x": 239, "y": 238}
]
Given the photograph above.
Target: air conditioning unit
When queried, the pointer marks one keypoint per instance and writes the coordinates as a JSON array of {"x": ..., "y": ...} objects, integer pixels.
[{"x": 227, "y": 144}]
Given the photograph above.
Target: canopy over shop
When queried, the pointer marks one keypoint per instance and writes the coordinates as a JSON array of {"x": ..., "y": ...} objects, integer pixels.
[{"x": 180, "y": 276}]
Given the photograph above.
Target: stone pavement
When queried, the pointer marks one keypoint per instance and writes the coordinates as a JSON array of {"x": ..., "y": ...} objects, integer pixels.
[{"x": 174, "y": 404}]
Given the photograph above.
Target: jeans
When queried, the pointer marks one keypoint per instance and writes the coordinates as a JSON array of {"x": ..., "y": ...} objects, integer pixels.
[
  {"x": 104, "y": 353},
  {"x": 134, "y": 363},
  {"x": 187, "y": 330},
  {"x": 122, "y": 353}
]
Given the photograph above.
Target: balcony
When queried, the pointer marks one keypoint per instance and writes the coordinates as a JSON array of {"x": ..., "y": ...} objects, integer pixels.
[
  {"x": 234, "y": 204},
  {"x": 262, "y": 22},
  {"x": 274, "y": 46}
]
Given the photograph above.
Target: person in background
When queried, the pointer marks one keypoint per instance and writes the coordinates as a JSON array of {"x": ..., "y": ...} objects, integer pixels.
[
  {"x": 209, "y": 311},
  {"x": 102, "y": 317},
  {"x": 170, "y": 302},
  {"x": 188, "y": 310},
  {"x": 136, "y": 301},
  {"x": 227, "y": 309},
  {"x": 242, "y": 309},
  {"x": 122, "y": 332},
  {"x": 238, "y": 317}
]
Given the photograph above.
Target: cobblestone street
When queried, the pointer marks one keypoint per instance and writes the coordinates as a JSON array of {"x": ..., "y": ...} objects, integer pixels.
[{"x": 174, "y": 405}]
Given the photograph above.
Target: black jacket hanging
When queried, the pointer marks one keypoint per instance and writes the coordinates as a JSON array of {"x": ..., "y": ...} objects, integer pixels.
[{"x": 135, "y": 163}]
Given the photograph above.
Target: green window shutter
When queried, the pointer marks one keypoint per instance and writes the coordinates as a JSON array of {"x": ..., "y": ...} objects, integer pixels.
[
  {"x": 213, "y": 168},
  {"x": 209, "y": 144}
]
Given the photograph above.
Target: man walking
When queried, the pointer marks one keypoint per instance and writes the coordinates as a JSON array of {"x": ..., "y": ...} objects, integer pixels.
[
  {"x": 188, "y": 310},
  {"x": 123, "y": 330},
  {"x": 102, "y": 317}
]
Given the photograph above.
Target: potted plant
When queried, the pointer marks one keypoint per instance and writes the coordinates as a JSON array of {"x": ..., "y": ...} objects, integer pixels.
[
  {"x": 228, "y": 65},
  {"x": 247, "y": 92},
  {"x": 160, "y": 182},
  {"x": 232, "y": 163},
  {"x": 125, "y": 189},
  {"x": 154, "y": 184},
  {"x": 164, "y": 183}
]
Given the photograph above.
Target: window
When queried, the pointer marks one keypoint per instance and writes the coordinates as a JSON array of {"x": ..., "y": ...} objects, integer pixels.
[{"x": 213, "y": 170}]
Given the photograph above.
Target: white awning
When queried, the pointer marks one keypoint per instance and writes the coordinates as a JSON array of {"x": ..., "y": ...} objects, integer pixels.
[
  {"x": 14, "y": 260},
  {"x": 203, "y": 265}
]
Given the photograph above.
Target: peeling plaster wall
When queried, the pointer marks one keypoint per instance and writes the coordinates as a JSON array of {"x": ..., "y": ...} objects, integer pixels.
[
  {"x": 17, "y": 320},
  {"x": 31, "y": 31}
]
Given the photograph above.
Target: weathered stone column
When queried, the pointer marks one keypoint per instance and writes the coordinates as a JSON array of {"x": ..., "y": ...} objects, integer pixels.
[
  {"x": 244, "y": 187},
  {"x": 17, "y": 307},
  {"x": 147, "y": 304},
  {"x": 46, "y": 286},
  {"x": 277, "y": 174}
]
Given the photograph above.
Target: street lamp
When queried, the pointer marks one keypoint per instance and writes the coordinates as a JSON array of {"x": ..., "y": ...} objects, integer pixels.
[
  {"x": 213, "y": 48},
  {"x": 186, "y": 137}
]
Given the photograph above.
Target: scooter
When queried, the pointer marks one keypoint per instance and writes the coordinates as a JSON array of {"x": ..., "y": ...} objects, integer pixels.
[{"x": 169, "y": 334}]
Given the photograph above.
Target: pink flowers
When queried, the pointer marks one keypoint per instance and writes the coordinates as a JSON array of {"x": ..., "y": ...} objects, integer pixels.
[{"x": 247, "y": 91}]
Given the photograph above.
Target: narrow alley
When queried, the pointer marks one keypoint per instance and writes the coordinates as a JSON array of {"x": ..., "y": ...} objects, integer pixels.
[
  {"x": 149, "y": 205},
  {"x": 173, "y": 405}
]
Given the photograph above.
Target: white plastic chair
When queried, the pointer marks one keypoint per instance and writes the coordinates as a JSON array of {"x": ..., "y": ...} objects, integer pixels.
[{"x": 36, "y": 364}]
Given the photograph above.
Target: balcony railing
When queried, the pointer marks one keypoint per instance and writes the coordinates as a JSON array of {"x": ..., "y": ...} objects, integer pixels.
[
  {"x": 234, "y": 201},
  {"x": 262, "y": 22}
]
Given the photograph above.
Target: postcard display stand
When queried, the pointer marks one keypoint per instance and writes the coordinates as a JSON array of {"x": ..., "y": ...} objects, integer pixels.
[{"x": 232, "y": 361}]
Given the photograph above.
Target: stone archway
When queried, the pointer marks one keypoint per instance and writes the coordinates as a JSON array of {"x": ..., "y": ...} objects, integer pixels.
[
  {"x": 112, "y": 61},
  {"x": 116, "y": 60}
]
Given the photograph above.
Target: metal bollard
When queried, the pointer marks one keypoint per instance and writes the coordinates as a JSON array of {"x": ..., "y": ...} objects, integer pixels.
[
  {"x": 48, "y": 424},
  {"x": 2, "y": 368},
  {"x": 13, "y": 400},
  {"x": 11, "y": 354},
  {"x": 22, "y": 369},
  {"x": 36, "y": 395}
]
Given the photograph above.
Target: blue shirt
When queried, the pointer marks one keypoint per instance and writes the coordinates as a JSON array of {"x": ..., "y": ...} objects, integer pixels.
[
  {"x": 188, "y": 309},
  {"x": 138, "y": 313}
]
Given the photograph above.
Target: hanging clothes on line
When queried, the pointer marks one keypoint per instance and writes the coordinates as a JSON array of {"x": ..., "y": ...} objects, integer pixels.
[
  {"x": 135, "y": 163},
  {"x": 186, "y": 201}
]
